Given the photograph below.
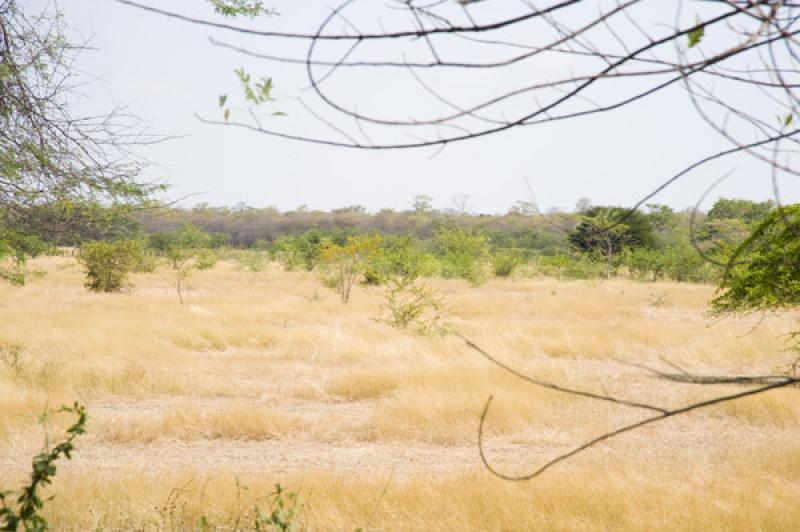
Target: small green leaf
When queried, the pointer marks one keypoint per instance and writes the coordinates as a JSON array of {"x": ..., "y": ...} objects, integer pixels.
[
  {"x": 696, "y": 35},
  {"x": 788, "y": 119},
  {"x": 279, "y": 113},
  {"x": 265, "y": 88},
  {"x": 227, "y": 114},
  {"x": 222, "y": 99}
]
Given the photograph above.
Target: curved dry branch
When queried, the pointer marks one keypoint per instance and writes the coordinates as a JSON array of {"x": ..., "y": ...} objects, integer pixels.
[{"x": 664, "y": 413}]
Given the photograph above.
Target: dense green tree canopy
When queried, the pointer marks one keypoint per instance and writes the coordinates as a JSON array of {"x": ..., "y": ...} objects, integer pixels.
[
  {"x": 764, "y": 272},
  {"x": 622, "y": 227}
]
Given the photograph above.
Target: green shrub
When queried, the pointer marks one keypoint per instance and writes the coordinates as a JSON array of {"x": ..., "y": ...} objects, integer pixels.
[
  {"x": 108, "y": 264},
  {"x": 296, "y": 251},
  {"x": 288, "y": 253},
  {"x": 505, "y": 262},
  {"x": 255, "y": 261},
  {"x": 187, "y": 237},
  {"x": 206, "y": 259},
  {"x": 462, "y": 253},
  {"x": 578, "y": 266},
  {"x": 15, "y": 250},
  {"x": 409, "y": 305},
  {"x": 685, "y": 264},
  {"x": 399, "y": 257},
  {"x": 645, "y": 264}
]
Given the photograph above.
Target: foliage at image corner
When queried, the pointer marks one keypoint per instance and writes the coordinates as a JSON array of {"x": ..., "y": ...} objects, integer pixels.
[
  {"x": 763, "y": 273},
  {"x": 59, "y": 170},
  {"x": 22, "y": 509}
]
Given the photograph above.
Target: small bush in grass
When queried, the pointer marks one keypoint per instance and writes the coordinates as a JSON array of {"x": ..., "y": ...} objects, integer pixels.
[
  {"x": 108, "y": 264},
  {"x": 411, "y": 306},
  {"x": 505, "y": 262},
  {"x": 255, "y": 261}
]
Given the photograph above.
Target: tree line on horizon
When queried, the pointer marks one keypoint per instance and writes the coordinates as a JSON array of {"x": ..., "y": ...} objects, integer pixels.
[{"x": 653, "y": 243}]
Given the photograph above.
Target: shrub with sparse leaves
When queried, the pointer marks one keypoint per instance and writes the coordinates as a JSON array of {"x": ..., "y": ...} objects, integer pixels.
[
  {"x": 409, "y": 305},
  {"x": 344, "y": 265}
]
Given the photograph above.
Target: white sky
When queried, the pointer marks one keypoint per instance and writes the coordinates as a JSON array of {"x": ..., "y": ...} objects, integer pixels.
[{"x": 168, "y": 71}]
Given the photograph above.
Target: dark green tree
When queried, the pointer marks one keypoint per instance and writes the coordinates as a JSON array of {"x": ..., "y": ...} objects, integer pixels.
[
  {"x": 763, "y": 273},
  {"x": 638, "y": 230},
  {"x": 607, "y": 231}
]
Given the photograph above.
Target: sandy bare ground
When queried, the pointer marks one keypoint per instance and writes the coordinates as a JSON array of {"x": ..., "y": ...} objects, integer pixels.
[{"x": 332, "y": 439}]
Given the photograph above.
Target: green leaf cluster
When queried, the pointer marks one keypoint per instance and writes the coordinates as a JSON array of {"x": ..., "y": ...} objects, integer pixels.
[
  {"x": 697, "y": 34},
  {"x": 763, "y": 273},
  {"x": 241, "y": 8},
  {"x": 24, "y": 511}
]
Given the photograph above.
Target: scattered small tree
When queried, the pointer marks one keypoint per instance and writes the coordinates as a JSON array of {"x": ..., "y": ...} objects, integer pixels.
[
  {"x": 182, "y": 249},
  {"x": 15, "y": 250},
  {"x": 523, "y": 208},
  {"x": 607, "y": 231},
  {"x": 344, "y": 265},
  {"x": 461, "y": 204},
  {"x": 422, "y": 204}
]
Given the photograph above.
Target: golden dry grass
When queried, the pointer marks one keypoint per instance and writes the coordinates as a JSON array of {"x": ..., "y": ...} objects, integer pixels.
[
  {"x": 268, "y": 377},
  {"x": 232, "y": 421}
]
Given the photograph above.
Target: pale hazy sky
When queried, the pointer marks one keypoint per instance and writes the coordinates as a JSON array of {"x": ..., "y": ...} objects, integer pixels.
[{"x": 168, "y": 71}]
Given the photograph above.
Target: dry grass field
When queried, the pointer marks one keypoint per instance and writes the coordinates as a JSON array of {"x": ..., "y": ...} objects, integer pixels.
[{"x": 267, "y": 377}]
